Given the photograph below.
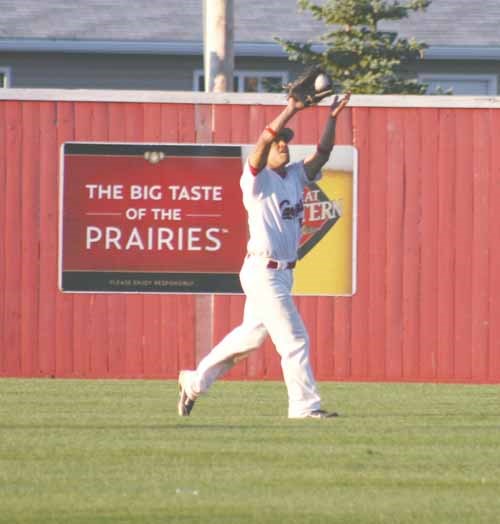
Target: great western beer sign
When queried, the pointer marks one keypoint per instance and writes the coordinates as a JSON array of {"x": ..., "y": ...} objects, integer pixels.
[{"x": 168, "y": 218}]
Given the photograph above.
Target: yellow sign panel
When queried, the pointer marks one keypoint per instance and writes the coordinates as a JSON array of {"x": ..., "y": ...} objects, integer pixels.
[{"x": 327, "y": 253}]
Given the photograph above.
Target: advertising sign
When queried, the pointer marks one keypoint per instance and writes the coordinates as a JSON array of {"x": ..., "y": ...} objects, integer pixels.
[
  {"x": 169, "y": 218},
  {"x": 327, "y": 252},
  {"x": 151, "y": 218}
]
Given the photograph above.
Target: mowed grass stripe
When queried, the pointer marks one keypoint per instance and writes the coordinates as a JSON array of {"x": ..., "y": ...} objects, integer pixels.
[{"x": 76, "y": 451}]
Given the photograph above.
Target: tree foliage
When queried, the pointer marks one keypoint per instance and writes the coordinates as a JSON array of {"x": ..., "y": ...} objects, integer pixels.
[{"x": 359, "y": 56}]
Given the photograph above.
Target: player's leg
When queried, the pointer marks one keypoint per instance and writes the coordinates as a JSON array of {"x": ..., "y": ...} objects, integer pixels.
[
  {"x": 286, "y": 328},
  {"x": 235, "y": 346}
]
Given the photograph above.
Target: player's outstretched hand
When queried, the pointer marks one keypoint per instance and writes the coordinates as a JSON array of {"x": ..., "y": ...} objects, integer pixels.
[{"x": 338, "y": 104}]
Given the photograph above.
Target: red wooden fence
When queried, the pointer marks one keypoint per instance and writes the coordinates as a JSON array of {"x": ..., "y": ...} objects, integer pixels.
[{"x": 428, "y": 301}]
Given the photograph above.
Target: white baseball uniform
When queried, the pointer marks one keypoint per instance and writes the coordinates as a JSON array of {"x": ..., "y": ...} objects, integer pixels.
[{"x": 275, "y": 213}]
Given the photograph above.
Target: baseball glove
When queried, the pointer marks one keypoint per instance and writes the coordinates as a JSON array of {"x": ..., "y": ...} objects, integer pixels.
[{"x": 310, "y": 87}]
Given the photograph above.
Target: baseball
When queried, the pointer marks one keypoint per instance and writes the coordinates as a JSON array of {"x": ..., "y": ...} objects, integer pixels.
[{"x": 322, "y": 82}]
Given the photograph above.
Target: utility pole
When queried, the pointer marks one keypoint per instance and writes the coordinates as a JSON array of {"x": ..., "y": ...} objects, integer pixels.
[{"x": 218, "y": 36}]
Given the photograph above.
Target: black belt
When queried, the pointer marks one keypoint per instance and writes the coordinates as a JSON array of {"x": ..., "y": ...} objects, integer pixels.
[{"x": 272, "y": 264}]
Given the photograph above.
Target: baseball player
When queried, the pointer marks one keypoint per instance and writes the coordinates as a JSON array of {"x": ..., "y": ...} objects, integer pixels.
[{"x": 273, "y": 198}]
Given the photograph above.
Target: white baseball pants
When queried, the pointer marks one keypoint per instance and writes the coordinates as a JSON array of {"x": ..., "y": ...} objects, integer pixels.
[{"x": 269, "y": 309}]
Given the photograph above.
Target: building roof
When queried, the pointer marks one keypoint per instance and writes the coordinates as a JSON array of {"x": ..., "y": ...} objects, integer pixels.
[{"x": 163, "y": 25}]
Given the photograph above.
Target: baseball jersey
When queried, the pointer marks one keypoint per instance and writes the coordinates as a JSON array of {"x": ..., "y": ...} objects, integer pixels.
[{"x": 275, "y": 207}]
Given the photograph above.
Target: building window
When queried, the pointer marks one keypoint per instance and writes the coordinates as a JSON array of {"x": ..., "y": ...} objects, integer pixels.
[
  {"x": 463, "y": 85},
  {"x": 4, "y": 77},
  {"x": 199, "y": 81},
  {"x": 249, "y": 81}
]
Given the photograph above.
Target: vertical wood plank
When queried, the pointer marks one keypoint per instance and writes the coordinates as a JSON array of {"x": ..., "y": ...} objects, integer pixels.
[
  {"x": 236, "y": 305},
  {"x": 186, "y": 124},
  {"x": 256, "y": 365},
  {"x": 221, "y": 319},
  {"x": 222, "y": 124},
  {"x": 203, "y": 123},
  {"x": 494, "y": 250},
  {"x": 170, "y": 339},
  {"x": 222, "y": 322},
  {"x": 446, "y": 233},
  {"x": 152, "y": 131},
  {"x": 377, "y": 244},
  {"x": 12, "y": 239},
  {"x": 49, "y": 169},
  {"x": 430, "y": 246},
  {"x": 30, "y": 236},
  {"x": 308, "y": 307},
  {"x": 169, "y": 122},
  {"x": 325, "y": 361},
  {"x": 394, "y": 246},
  {"x": 203, "y": 325},
  {"x": 344, "y": 134},
  {"x": 463, "y": 246},
  {"x": 97, "y": 326},
  {"x": 480, "y": 249},
  {"x": 152, "y": 336},
  {"x": 272, "y": 361},
  {"x": 240, "y": 116},
  {"x": 3, "y": 232},
  {"x": 186, "y": 306},
  {"x": 360, "y": 341},
  {"x": 342, "y": 338},
  {"x": 412, "y": 244}
]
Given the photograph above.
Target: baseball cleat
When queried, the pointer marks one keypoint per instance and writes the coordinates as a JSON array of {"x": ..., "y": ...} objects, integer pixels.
[
  {"x": 185, "y": 404},
  {"x": 319, "y": 413}
]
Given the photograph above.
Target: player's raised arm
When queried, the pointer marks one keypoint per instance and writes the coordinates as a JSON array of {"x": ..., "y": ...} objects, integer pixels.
[
  {"x": 258, "y": 157},
  {"x": 316, "y": 161}
]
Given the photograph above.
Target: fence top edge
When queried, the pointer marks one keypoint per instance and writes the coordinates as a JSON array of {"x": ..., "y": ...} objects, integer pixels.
[{"x": 264, "y": 99}]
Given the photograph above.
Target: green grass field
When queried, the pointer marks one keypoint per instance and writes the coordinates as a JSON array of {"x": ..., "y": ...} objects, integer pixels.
[{"x": 116, "y": 452}]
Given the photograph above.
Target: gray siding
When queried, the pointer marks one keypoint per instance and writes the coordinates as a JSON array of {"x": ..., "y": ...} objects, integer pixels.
[
  {"x": 169, "y": 73},
  {"x": 92, "y": 71}
]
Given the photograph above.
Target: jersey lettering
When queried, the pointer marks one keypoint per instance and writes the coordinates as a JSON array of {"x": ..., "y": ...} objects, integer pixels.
[{"x": 289, "y": 212}]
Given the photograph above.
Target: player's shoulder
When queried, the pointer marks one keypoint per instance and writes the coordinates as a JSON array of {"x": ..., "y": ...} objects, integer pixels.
[
  {"x": 252, "y": 178},
  {"x": 249, "y": 171},
  {"x": 294, "y": 166},
  {"x": 296, "y": 169}
]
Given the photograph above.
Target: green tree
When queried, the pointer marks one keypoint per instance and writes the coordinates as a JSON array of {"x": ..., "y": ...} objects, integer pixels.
[{"x": 359, "y": 56}]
